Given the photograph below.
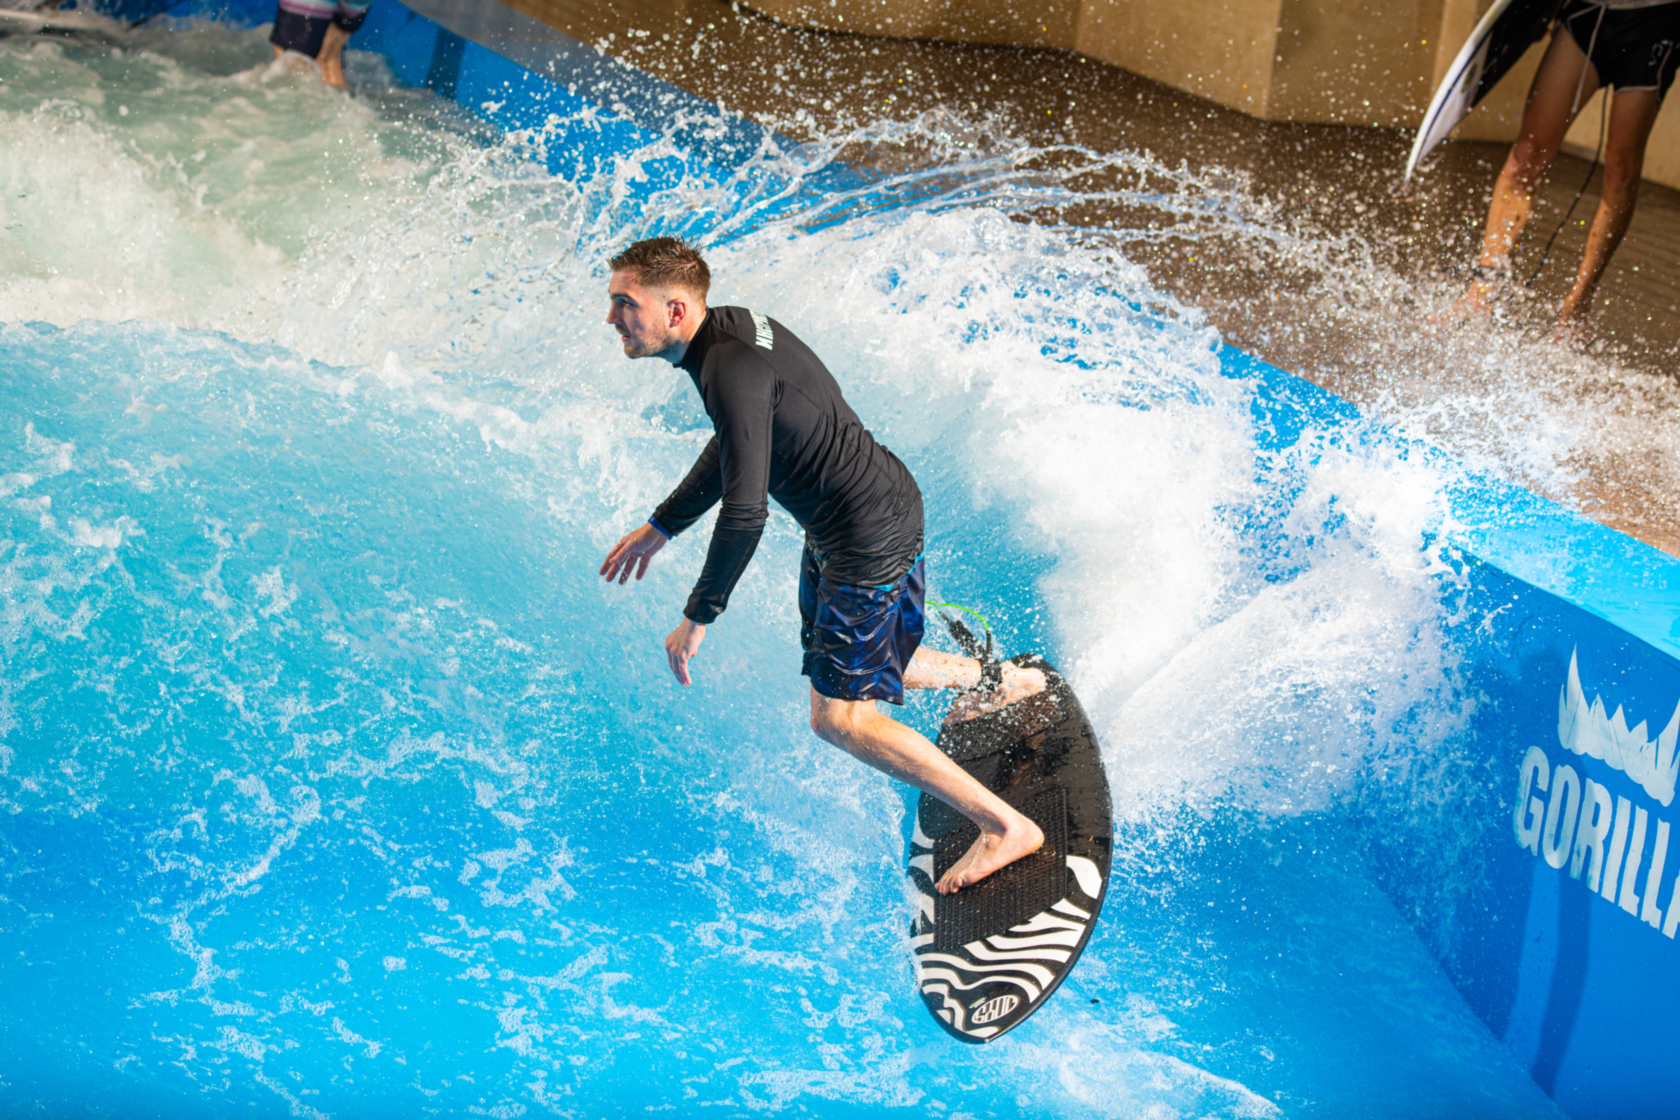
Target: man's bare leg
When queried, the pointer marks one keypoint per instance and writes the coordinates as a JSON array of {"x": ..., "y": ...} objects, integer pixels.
[
  {"x": 1631, "y": 116},
  {"x": 860, "y": 729},
  {"x": 1556, "y": 97},
  {"x": 930, "y": 668},
  {"x": 331, "y": 58}
]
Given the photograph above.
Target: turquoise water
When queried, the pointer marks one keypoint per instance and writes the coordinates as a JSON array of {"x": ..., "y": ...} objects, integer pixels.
[{"x": 335, "y": 783}]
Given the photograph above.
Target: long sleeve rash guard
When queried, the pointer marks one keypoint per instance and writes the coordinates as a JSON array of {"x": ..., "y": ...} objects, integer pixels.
[{"x": 784, "y": 431}]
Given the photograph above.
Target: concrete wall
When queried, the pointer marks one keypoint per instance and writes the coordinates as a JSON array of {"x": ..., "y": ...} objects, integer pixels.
[
  {"x": 1033, "y": 23},
  {"x": 1222, "y": 50},
  {"x": 1371, "y": 62},
  {"x": 1343, "y": 61},
  {"x": 1354, "y": 61},
  {"x": 1333, "y": 61}
]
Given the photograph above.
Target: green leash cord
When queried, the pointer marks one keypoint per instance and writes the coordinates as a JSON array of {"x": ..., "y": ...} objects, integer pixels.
[
  {"x": 991, "y": 670},
  {"x": 965, "y": 610}
]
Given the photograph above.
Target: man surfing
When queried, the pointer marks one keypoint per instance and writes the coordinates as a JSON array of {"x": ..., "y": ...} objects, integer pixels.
[{"x": 784, "y": 431}]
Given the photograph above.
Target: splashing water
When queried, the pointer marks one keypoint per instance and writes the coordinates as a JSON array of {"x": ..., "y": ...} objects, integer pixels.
[{"x": 334, "y": 781}]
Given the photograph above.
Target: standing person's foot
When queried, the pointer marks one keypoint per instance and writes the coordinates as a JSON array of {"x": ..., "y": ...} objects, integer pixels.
[
  {"x": 992, "y": 851},
  {"x": 1477, "y": 300},
  {"x": 1571, "y": 331},
  {"x": 1018, "y": 684},
  {"x": 1572, "y": 317},
  {"x": 332, "y": 70}
]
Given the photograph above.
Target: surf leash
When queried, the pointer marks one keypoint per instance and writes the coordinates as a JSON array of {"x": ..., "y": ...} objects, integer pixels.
[
  {"x": 1598, "y": 154},
  {"x": 991, "y": 669},
  {"x": 965, "y": 610}
]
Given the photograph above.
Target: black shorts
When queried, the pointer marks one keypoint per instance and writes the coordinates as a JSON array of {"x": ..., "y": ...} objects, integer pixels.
[
  {"x": 858, "y": 640},
  {"x": 1631, "y": 48},
  {"x": 302, "y": 34}
]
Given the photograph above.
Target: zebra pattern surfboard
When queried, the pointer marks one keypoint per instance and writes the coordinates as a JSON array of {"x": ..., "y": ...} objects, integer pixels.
[{"x": 990, "y": 955}]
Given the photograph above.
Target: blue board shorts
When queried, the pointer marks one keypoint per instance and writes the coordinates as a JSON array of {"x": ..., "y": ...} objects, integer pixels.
[
  {"x": 301, "y": 25},
  {"x": 1632, "y": 48},
  {"x": 857, "y": 640}
]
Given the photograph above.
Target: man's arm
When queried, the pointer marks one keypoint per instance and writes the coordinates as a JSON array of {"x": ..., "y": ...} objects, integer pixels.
[
  {"x": 734, "y": 466},
  {"x": 744, "y": 412},
  {"x": 695, "y": 494}
]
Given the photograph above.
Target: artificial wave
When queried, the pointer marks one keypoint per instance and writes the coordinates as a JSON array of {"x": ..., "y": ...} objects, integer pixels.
[{"x": 335, "y": 782}]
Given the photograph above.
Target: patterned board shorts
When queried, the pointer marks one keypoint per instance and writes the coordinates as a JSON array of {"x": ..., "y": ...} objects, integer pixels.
[
  {"x": 1632, "y": 48},
  {"x": 858, "y": 640}
]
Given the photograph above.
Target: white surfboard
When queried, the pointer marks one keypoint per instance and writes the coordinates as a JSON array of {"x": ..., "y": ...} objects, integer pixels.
[{"x": 1509, "y": 29}]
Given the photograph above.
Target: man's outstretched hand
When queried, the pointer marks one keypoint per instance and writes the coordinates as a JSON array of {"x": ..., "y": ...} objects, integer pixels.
[
  {"x": 683, "y": 644},
  {"x": 632, "y": 553}
]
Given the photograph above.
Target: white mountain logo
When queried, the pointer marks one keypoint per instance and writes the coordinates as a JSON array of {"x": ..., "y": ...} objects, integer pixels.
[{"x": 1586, "y": 730}]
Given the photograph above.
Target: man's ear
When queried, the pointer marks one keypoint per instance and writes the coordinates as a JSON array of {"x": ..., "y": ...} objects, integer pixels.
[{"x": 679, "y": 308}]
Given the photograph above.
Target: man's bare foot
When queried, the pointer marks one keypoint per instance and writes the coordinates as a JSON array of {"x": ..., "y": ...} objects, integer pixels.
[
  {"x": 990, "y": 852},
  {"x": 1572, "y": 316},
  {"x": 1018, "y": 684},
  {"x": 1571, "y": 330}
]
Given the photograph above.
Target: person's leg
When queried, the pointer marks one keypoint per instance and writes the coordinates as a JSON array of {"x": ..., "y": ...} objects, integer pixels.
[
  {"x": 866, "y": 733},
  {"x": 863, "y": 644},
  {"x": 1632, "y": 114},
  {"x": 1555, "y": 98},
  {"x": 930, "y": 668},
  {"x": 331, "y": 58}
]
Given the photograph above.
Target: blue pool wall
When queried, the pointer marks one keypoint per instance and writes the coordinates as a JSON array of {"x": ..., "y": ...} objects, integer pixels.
[
  {"x": 1581, "y": 985},
  {"x": 1582, "y": 988}
]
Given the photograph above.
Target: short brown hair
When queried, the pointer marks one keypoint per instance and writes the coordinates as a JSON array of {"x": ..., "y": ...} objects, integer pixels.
[{"x": 666, "y": 262}]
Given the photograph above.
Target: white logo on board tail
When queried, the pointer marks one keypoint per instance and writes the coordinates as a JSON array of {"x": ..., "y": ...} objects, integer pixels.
[
  {"x": 989, "y": 1010},
  {"x": 762, "y": 326}
]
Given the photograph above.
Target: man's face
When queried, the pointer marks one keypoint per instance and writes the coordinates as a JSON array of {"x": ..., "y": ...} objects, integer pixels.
[{"x": 644, "y": 318}]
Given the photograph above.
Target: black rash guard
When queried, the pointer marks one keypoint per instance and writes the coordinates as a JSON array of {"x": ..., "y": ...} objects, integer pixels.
[{"x": 785, "y": 432}]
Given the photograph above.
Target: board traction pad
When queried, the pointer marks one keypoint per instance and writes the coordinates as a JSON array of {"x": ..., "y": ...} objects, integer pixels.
[
  {"x": 990, "y": 955},
  {"x": 1010, "y": 896}
]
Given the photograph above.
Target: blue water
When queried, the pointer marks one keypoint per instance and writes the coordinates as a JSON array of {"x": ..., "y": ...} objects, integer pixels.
[{"x": 335, "y": 783}]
